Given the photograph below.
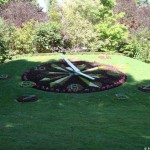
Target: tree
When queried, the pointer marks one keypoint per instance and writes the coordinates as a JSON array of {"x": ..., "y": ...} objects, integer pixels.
[
  {"x": 136, "y": 18},
  {"x": 93, "y": 24},
  {"x": 6, "y": 32},
  {"x": 3, "y": 1},
  {"x": 143, "y": 2},
  {"x": 110, "y": 31},
  {"x": 77, "y": 21},
  {"x": 54, "y": 11},
  {"x": 87, "y": 9},
  {"x": 19, "y": 12}
]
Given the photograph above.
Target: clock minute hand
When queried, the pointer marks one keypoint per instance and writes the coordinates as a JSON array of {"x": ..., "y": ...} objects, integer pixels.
[{"x": 70, "y": 64}]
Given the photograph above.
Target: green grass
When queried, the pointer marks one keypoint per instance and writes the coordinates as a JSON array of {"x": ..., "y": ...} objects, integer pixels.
[{"x": 91, "y": 121}]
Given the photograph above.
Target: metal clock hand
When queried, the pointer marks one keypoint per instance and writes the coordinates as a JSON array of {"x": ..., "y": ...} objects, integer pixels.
[
  {"x": 76, "y": 69},
  {"x": 70, "y": 64},
  {"x": 85, "y": 75}
]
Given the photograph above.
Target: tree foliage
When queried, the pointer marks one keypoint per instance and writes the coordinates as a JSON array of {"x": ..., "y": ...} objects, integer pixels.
[
  {"x": 20, "y": 12},
  {"x": 88, "y": 10},
  {"x": 54, "y": 12},
  {"x": 99, "y": 25},
  {"x": 24, "y": 38},
  {"x": 77, "y": 21},
  {"x": 5, "y": 40},
  {"x": 93, "y": 24},
  {"x": 137, "y": 20},
  {"x": 47, "y": 37},
  {"x": 3, "y": 1},
  {"x": 143, "y": 2}
]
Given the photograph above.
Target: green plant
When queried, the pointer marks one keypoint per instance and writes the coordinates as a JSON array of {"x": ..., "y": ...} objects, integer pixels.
[
  {"x": 47, "y": 37},
  {"x": 130, "y": 47},
  {"x": 143, "y": 51},
  {"x": 138, "y": 47},
  {"x": 111, "y": 33},
  {"x": 24, "y": 38},
  {"x": 4, "y": 1},
  {"x": 6, "y": 32},
  {"x": 77, "y": 21},
  {"x": 54, "y": 12},
  {"x": 93, "y": 24}
]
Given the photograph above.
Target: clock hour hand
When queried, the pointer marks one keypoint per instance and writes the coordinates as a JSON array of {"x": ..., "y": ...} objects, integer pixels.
[{"x": 85, "y": 75}]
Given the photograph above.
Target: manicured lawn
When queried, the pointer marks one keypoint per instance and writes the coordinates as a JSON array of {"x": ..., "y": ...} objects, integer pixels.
[{"x": 91, "y": 121}]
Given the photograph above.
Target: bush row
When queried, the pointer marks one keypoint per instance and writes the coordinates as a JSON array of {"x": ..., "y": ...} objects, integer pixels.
[
  {"x": 31, "y": 38},
  {"x": 46, "y": 37},
  {"x": 93, "y": 26}
]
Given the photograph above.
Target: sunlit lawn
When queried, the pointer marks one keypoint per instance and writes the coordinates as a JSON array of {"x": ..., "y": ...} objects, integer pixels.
[{"x": 91, "y": 121}]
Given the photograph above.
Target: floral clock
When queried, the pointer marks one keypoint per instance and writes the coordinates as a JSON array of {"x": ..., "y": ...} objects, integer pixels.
[{"x": 64, "y": 76}]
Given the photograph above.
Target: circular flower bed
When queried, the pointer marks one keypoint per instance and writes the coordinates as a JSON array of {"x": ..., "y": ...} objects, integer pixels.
[{"x": 59, "y": 77}]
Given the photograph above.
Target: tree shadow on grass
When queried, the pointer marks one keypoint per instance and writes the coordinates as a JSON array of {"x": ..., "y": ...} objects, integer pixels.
[{"x": 16, "y": 68}]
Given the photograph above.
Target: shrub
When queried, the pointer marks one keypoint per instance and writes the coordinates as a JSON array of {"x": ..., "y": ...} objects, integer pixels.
[
  {"x": 111, "y": 34},
  {"x": 137, "y": 20},
  {"x": 143, "y": 52},
  {"x": 6, "y": 32},
  {"x": 130, "y": 47},
  {"x": 143, "y": 42},
  {"x": 138, "y": 48},
  {"x": 24, "y": 38},
  {"x": 47, "y": 37}
]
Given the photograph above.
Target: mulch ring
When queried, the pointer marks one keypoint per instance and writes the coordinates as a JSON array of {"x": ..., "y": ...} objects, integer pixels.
[{"x": 53, "y": 77}]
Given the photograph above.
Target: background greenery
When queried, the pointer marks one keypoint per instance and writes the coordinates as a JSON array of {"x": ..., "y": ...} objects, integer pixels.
[
  {"x": 98, "y": 26},
  {"x": 47, "y": 37}
]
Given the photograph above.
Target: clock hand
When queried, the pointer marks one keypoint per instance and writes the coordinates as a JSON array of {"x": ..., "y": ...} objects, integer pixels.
[
  {"x": 70, "y": 64},
  {"x": 85, "y": 75},
  {"x": 69, "y": 68},
  {"x": 76, "y": 69}
]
